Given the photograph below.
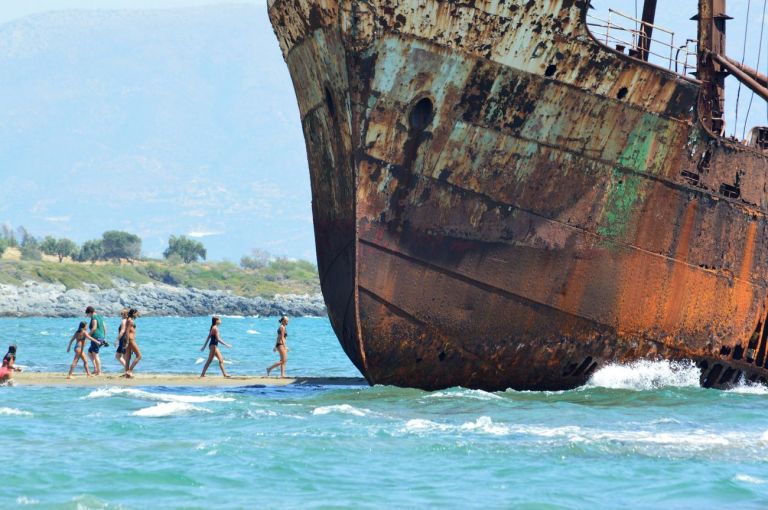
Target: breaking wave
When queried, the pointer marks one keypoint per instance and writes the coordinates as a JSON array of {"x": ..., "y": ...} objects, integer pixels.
[
  {"x": 164, "y": 409},
  {"x": 10, "y": 411},
  {"x": 341, "y": 408},
  {"x": 156, "y": 397},
  {"x": 646, "y": 375}
]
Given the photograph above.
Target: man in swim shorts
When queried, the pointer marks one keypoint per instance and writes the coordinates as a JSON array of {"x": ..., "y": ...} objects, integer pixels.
[{"x": 99, "y": 332}]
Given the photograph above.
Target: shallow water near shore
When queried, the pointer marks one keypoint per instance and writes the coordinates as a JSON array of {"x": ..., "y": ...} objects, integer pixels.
[{"x": 640, "y": 437}]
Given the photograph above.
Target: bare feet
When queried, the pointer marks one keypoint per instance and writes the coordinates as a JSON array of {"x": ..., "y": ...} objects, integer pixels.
[{"x": 268, "y": 371}]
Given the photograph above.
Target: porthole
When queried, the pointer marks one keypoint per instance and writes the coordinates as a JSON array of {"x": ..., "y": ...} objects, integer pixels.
[{"x": 421, "y": 114}]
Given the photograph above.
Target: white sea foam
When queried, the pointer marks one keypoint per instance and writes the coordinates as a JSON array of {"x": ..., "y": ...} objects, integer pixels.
[
  {"x": 164, "y": 409},
  {"x": 156, "y": 397},
  {"x": 341, "y": 408},
  {"x": 199, "y": 361},
  {"x": 749, "y": 479},
  {"x": 764, "y": 437},
  {"x": 646, "y": 375},
  {"x": 253, "y": 332},
  {"x": 746, "y": 388},
  {"x": 260, "y": 412},
  {"x": 44, "y": 333},
  {"x": 464, "y": 393},
  {"x": 23, "y": 500},
  {"x": 10, "y": 411},
  {"x": 485, "y": 425},
  {"x": 690, "y": 440}
]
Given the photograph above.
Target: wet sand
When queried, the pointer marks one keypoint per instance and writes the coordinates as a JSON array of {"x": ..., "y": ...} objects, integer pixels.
[{"x": 148, "y": 379}]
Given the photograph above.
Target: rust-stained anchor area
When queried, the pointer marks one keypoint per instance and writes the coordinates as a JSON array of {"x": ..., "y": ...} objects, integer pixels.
[{"x": 500, "y": 201}]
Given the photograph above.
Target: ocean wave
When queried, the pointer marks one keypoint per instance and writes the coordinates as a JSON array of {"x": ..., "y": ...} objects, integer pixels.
[
  {"x": 164, "y": 409},
  {"x": 23, "y": 500},
  {"x": 746, "y": 388},
  {"x": 689, "y": 440},
  {"x": 749, "y": 479},
  {"x": 465, "y": 393},
  {"x": 156, "y": 397},
  {"x": 341, "y": 408},
  {"x": 646, "y": 375},
  {"x": 10, "y": 411},
  {"x": 253, "y": 332}
]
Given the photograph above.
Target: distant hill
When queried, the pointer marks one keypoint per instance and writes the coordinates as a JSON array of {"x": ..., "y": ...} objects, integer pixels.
[{"x": 156, "y": 122}]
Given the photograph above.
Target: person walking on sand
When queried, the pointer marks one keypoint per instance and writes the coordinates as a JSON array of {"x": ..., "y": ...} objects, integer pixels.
[
  {"x": 79, "y": 338},
  {"x": 213, "y": 341},
  {"x": 280, "y": 347},
  {"x": 9, "y": 366},
  {"x": 122, "y": 337},
  {"x": 131, "y": 347},
  {"x": 98, "y": 332}
]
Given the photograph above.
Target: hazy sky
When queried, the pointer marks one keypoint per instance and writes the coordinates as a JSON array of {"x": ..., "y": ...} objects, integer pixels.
[{"x": 12, "y": 9}]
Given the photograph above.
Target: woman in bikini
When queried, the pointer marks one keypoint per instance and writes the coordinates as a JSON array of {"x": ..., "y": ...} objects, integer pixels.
[
  {"x": 122, "y": 337},
  {"x": 280, "y": 347},
  {"x": 9, "y": 366},
  {"x": 213, "y": 341},
  {"x": 131, "y": 347},
  {"x": 79, "y": 338}
]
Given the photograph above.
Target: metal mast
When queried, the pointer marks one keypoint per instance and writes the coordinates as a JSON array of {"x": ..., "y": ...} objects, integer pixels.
[{"x": 712, "y": 74}]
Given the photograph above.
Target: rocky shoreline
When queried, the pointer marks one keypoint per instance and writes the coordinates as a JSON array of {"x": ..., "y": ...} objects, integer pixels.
[{"x": 35, "y": 299}]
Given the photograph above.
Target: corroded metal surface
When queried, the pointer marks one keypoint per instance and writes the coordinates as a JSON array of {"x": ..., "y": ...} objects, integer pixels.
[{"x": 501, "y": 201}]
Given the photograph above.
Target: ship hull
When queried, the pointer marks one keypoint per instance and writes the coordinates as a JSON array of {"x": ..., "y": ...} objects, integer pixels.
[{"x": 502, "y": 202}]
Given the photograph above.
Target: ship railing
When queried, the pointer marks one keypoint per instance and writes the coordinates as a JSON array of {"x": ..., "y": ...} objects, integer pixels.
[{"x": 625, "y": 34}]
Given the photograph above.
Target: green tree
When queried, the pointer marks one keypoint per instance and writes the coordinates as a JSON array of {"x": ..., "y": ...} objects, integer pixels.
[
  {"x": 90, "y": 251},
  {"x": 65, "y": 248},
  {"x": 121, "y": 245},
  {"x": 48, "y": 245},
  {"x": 59, "y": 247},
  {"x": 31, "y": 251},
  {"x": 188, "y": 249},
  {"x": 3, "y": 245}
]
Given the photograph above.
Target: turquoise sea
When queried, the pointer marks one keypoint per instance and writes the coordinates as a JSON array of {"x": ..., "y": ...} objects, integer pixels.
[{"x": 643, "y": 436}]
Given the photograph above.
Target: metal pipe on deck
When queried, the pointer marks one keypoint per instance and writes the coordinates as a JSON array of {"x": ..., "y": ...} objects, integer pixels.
[
  {"x": 646, "y": 28},
  {"x": 740, "y": 75}
]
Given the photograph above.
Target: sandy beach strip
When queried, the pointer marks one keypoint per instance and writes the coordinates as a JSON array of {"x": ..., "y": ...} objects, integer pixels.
[{"x": 178, "y": 380}]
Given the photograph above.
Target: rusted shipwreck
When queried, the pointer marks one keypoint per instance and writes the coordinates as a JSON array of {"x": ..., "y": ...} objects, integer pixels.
[{"x": 504, "y": 199}]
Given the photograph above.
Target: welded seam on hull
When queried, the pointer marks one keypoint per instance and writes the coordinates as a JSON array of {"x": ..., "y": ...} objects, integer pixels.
[
  {"x": 502, "y": 292},
  {"x": 751, "y": 210},
  {"x": 407, "y": 315},
  {"x": 491, "y": 201},
  {"x": 476, "y": 283},
  {"x": 332, "y": 262}
]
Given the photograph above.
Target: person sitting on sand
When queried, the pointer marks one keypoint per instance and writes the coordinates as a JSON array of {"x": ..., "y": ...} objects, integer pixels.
[
  {"x": 98, "y": 333},
  {"x": 9, "y": 365},
  {"x": 131, "y": 347},
  {"x": 79, "y": 338},
  {"x": 280, "y": 347},
  {"x": 122, "y": 338},
  {"x": 213, "y": 341}
]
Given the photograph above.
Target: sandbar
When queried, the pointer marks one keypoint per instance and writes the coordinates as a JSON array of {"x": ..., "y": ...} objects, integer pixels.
[{"x": 178, "y": 380}]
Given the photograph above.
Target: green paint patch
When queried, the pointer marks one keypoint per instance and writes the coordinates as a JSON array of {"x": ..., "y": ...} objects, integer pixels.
[{"x": 624, "y": 190}]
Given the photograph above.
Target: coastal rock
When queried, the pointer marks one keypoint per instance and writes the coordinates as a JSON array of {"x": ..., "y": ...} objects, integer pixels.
[{"x": 35, "y": 299}]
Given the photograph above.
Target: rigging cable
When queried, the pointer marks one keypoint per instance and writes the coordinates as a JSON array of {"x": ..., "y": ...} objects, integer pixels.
[
  {"x": 759, "y": 53},
  {"x": 743, "y": 55}
]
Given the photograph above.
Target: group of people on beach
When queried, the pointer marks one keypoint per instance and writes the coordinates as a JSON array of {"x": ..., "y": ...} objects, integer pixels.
[{"x": 96, "y": 332}]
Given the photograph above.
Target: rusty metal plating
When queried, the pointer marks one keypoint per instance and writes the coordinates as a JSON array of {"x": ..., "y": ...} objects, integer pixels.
[{"x": 501, "y": 201}]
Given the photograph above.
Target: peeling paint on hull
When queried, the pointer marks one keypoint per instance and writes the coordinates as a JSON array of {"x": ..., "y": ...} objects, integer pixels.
[{"x": 502, "y": 202}]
